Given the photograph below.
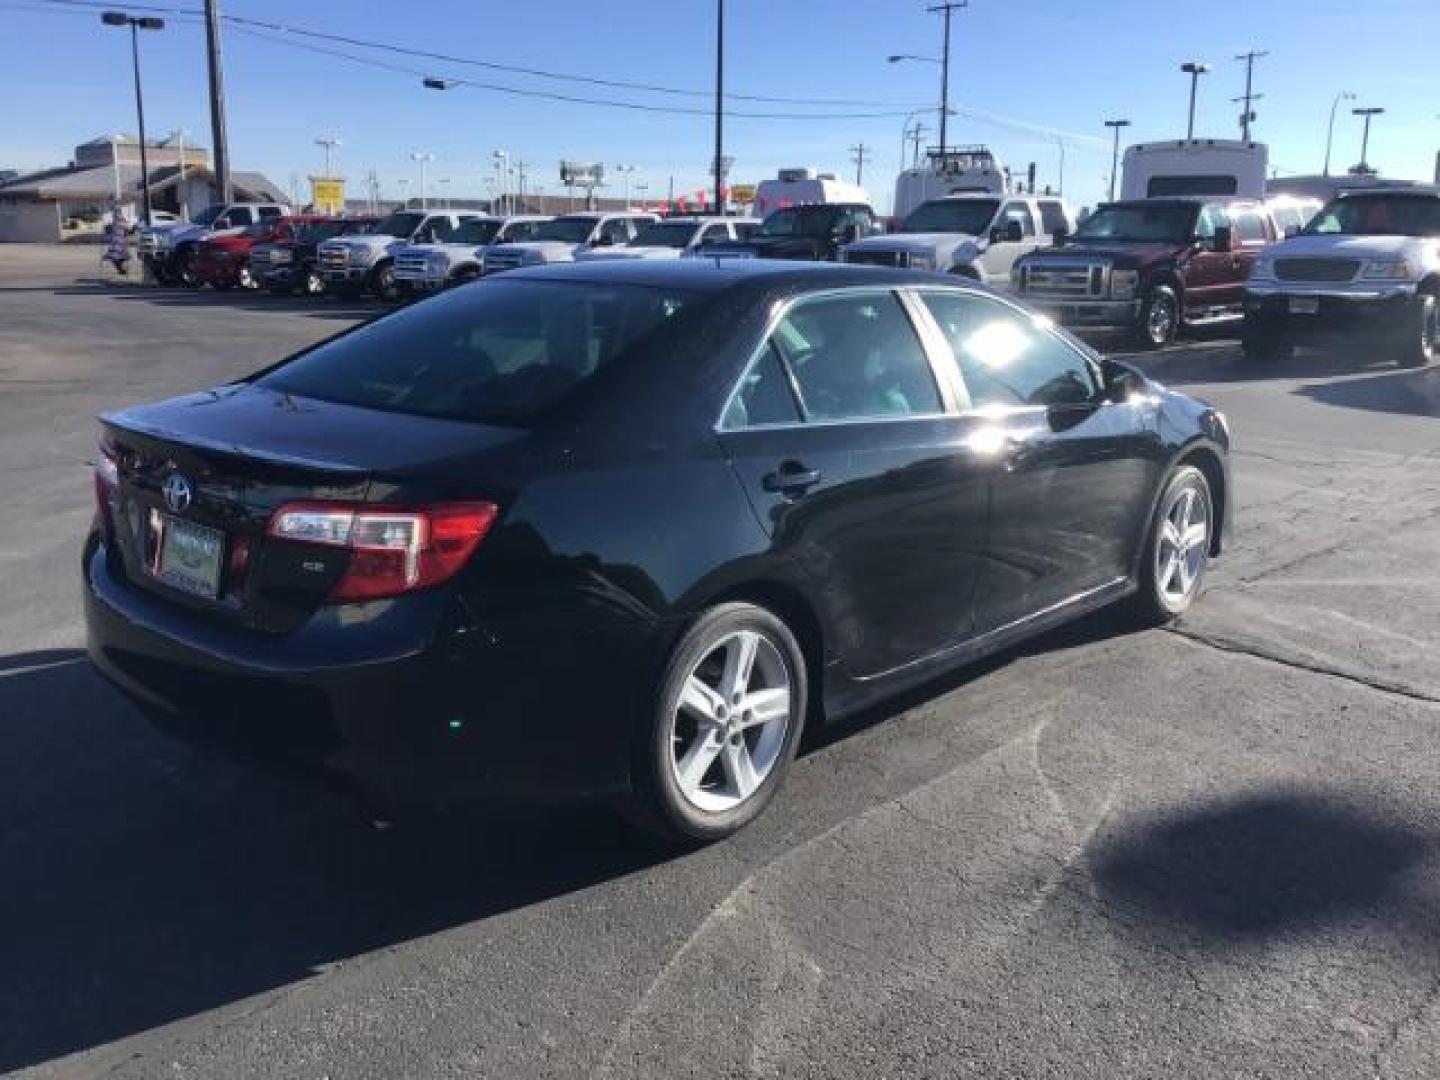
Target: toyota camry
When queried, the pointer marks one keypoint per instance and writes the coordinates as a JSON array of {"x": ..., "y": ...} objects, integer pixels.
[{"x": 624, "y": 529}]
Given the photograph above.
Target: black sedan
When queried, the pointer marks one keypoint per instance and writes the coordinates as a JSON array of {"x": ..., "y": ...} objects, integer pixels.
[{"x": 623, "y": 528}]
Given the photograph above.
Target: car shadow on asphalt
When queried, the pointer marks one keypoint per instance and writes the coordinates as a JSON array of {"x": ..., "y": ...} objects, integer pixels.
[
  {"x": 1408, "y": 393},
  {"x": 323, "y": 307},
  {"x": 142, "y": 882}
]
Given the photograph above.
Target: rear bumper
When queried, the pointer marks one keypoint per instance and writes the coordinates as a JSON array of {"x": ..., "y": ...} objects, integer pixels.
[
  {"x": 402, "y": 702},
  {"x": 1087, "y": 312}
]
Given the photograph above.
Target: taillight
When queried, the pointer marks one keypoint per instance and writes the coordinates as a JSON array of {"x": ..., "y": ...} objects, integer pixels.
[
  {"x": 107, "y": 483},
  {"x": 392, "y": 551}
]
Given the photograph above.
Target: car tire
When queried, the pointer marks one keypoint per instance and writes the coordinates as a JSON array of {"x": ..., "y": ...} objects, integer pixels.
[
  {"x": 383, "y": 284},
  {"x": 1421, "y": 343},
  {"x": 1177, "y": 548},
  {"x": 184, "y": 272},
  {"x": 311, "y": 283},
  {"x": 465, "y": 275},
  {"x": 706, "y": 765},
  {"x": 1262, "y": 342},
  {"x": 1159, "y": 318}
]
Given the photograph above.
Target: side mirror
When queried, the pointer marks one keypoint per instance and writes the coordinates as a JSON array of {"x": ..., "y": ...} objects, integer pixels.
[
  {"x": 1121, "y": 381},
  {"x": 1223, "y": 240},
  {"x": 1291, "y": 230},
  {"x": 1059, "y": 236}
]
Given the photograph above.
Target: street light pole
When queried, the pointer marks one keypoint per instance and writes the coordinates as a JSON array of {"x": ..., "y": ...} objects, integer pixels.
[
  {"x": 1193, "y": 68},
  {"x": 1115, "y": 125},
  {"x": 1367, "y": 113},
  {"x": 423, "y": 158},
  {"x": 1344, "y": 95},
  {"x": 502, "y": 174},
  {"x": 119, "y": 18},
  {"x": 719, "y": 105}
]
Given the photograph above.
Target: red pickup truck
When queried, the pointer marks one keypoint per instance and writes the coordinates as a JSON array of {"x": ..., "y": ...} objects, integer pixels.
[
  {"x": 223, "y": 262},
  {"x": 1151, "y": 266}
]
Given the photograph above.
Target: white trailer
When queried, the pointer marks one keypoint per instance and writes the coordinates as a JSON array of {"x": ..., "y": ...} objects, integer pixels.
[
  {"x": 1194, "y": 167},
  {"x": 804, "y": 187},
  {"x": 965, "y": 170}
]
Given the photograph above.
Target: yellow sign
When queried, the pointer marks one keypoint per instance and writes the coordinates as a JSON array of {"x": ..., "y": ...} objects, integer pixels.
[
  {"x": 743, "y": 193},
  {"x": 327, "y": 195}
]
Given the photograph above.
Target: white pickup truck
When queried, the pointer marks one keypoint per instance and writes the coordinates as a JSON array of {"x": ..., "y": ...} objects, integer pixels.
[
  {"x": 977, "y": 236},
  {"x": 366, "y": 262},
  {"x": 676, "y": 237},
  {"x": 1366, "y": 267},
  {"x": 168, "y": 250},
  {"x": 564, "y": 238},
  {"x": 423, "y": 268}
]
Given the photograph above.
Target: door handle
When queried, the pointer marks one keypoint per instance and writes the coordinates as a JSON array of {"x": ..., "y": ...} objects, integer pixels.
[{"x": 791, "y": 478}]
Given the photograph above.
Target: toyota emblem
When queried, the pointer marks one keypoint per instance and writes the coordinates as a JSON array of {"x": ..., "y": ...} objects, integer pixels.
[{"x": 178, "y": 493}]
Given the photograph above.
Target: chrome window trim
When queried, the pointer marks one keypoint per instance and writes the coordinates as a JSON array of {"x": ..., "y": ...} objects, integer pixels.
[{"x": 781, "y": 309}]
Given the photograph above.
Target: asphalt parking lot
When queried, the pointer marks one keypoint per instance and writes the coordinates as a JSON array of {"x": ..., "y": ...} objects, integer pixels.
[{"x": 1212, "y": 850}]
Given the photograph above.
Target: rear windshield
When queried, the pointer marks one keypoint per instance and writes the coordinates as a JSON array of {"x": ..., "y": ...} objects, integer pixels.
[
  {"x": 497, "y": 352},
  {"x": 1378, "y": 215}
]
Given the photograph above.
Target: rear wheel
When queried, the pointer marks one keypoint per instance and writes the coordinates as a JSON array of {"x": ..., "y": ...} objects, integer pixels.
[
  {"x": 724, "y": 726},
  {"x": 1421, "y": 342},
  {"x": 1177, "y": 548},
  {"x": 1159, "y": 318}
]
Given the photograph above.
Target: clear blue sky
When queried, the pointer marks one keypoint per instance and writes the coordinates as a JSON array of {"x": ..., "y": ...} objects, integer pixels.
[{"x": 1053, "y": 64}]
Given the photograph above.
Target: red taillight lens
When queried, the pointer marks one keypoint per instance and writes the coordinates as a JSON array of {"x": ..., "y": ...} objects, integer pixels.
[
  {"x": 392, "y": 551},
  {"x": 107, "y": 483}
]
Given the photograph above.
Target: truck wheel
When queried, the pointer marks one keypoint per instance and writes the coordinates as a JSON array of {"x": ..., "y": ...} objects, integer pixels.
[
  {"x": 465, "y": 275},
  {"x": 382, "y": 282},
  {"x": 1262, "y": 341},
  {"x": 184, "y": 272},
  {"x": 311, "y": 283},
  {"x": 1421, "y": 343},
  {"x": 1159, "y": 319},
  {"x": 245, "y": 279}
]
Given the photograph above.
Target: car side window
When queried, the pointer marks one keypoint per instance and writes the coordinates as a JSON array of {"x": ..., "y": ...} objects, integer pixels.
[
  {"x": 1250, "y": 228},
  {"x": 269, "y": 212},
  {"x": 615, "y": 231},
  {"x": 764, "y": 395},
  {"x": 1212, "y": 216},
  {"x": 440, "y": 228},
  {"x": 1052, "y": 217},
  {"x": 1017, "y": 211},
  {"x": 1005, "y": 358},
  {"x": 857, "y": 357},
  {"x": 714, "y": 232}
]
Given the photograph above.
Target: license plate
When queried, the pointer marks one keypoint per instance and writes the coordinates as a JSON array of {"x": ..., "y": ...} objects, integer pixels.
[
  {"x": 1304, "y": 305},
  {"x": 190, "y": 556}
]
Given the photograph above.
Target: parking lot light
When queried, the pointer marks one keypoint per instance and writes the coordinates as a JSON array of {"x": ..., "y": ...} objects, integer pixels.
[{"x": 136, "y": 24}]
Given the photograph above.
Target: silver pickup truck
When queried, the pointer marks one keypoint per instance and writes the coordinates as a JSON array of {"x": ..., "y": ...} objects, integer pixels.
[
  {"x": 423, "y": 268},
  {"x": 366, "y": 262}
]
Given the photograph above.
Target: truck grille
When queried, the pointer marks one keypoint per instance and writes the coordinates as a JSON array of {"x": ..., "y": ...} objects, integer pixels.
[
  {"x": 497, "y": 261},
  {"x": 1065, "y": 280},
  {"x": 897, "y": 259},
  {"x": 149, "y": 243},
  {"x": 1317, "y": 269},
  {"x": 259, "y": 260},
  {"x": 410, "y": 267},
  {"x": 334, "y": 258}
]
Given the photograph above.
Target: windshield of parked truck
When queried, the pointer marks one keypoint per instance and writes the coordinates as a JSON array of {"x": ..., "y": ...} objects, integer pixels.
[
  {"x": 1172, "y": 224},
  {"x": 400, "y": 223},
  {"x": 499, "y": 352},
  {"x": 666, "y": 234},
  {"x": 321, "y": 230},
  {"x": 206, "y": 216},
  {"x": 568, "y": 230},
  {"x": 802, "y": 221},
  {"x": 970, "y": 216},
  {"x": 1378, "y": 215},
  {"x": 475, "y": 231}
]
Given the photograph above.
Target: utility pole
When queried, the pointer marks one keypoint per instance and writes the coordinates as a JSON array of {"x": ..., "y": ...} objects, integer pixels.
[
  {"x": 719, "y": 105},
  {"x": 217, "y": 101},
  {"x": 329, "y": 142},
  {"x": 1247, "y": 117},
  {"x": 947, "y": 9},
  {"x": 917, "y": 133},
  {"x": 860, "y": 154},
  {"x": 424, "y": 158},
  {"x": 1116, "y": 125},
  {"x": 520, "y": 175}
]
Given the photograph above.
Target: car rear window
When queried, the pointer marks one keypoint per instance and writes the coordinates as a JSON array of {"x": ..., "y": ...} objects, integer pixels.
[{"x": 496, "y": 352}]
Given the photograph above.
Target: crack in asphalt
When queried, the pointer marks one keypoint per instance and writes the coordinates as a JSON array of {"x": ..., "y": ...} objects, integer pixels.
[{"x": 1375, "y": 683}]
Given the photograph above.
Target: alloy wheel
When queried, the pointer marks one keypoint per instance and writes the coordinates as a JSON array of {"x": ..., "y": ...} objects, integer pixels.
[
  {"x": 1183, "y": 543},
  {"x": 1160, "y": 319},
  {"x": 728, "y": 728}
]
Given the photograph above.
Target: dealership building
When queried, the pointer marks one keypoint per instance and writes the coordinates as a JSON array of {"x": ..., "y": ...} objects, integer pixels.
[{"x": 67, "y": 201}]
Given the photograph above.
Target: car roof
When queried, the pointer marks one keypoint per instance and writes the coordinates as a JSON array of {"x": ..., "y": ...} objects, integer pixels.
[
  {"x": 1417, "y": 192},
  {"x": 1184, "y": 200},
  {"x": 705, "y": 274}
]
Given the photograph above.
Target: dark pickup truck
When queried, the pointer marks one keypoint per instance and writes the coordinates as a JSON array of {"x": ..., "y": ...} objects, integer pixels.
[
  {"x": 289, "y": 266},
  {"x": 814, "y": 233},
  {"x": 1151, "y": 266}
]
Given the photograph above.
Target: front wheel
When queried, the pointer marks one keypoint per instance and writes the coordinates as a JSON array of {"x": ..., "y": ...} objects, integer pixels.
[
  {"x": 383, "y": 284},
  {"x": 311, "y": 283},
  {"x": 1421, "y": 343},
  {"x": 1159, "y": 318},
  {"x": 1177, "y": 548},
  {"x": 723, "y": 728}
]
